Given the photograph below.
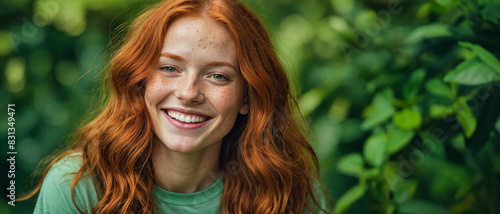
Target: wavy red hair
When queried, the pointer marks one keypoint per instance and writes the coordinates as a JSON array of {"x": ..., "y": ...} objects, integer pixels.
[{"x": 275, "y": 165}]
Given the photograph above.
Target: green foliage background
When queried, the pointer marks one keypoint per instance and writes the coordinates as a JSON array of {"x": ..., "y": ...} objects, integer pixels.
[{"x": 403, "y": 97}]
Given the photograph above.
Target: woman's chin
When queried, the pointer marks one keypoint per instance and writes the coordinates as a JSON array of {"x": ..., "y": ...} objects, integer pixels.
[{"x": 184, "y": 146}]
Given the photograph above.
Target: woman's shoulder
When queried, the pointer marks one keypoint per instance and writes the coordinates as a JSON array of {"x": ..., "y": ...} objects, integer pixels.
[
  {"x": 55, "y": 193},
  {"x": 66, "y": 167}
]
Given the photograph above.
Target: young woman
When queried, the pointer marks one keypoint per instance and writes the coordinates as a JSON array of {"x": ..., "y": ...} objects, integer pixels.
[{"x": 199, "y": 120}]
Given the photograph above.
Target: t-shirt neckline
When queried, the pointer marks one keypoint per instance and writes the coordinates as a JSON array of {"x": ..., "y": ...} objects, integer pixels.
[{"x": 214, "y": 190}]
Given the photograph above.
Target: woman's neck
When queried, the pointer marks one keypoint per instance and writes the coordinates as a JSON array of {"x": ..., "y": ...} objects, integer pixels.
[{"x": 185, "y": 172}]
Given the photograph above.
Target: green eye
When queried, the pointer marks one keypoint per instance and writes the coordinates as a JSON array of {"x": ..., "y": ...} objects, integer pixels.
[
  {"x": 218, "y": 77},
  {"x": 169, "y": 69}
]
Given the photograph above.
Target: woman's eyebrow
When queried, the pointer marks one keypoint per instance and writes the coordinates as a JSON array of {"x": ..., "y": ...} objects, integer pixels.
[
  {"x": 222, "y": 64},
  {"x": 173, "y": 56},
  {"x": 214, "y": 63}
]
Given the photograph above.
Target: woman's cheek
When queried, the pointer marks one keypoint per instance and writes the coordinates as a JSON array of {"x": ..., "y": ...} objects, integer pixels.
[{"x": 156, "y": 89}]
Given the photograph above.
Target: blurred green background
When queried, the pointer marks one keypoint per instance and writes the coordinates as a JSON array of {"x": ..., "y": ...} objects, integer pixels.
[{"x": 403, "y": 97}]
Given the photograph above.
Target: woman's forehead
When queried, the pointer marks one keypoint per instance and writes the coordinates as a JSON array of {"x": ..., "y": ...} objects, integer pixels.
[
  {"x": 201, "y": 25},
  {"x": 194, "y": 35}
]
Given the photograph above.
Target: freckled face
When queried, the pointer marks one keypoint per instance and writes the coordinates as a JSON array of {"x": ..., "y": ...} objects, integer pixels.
[{"x": 197, "y": 90}]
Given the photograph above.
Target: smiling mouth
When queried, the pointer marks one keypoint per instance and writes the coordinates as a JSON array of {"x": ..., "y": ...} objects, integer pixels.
[{"x": 186, "y": 118}]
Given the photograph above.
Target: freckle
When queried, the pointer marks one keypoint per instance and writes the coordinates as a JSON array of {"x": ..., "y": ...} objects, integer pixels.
[
  {"x": 197, "y": 31},
  {"x": 200, "y": 40},
  {"x": 204, "y": 47}
]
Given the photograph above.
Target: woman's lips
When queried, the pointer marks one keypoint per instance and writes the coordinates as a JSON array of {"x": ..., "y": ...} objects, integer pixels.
[
  {"x": 186, "y": 118},
  {"x": 185, "y": 121}
]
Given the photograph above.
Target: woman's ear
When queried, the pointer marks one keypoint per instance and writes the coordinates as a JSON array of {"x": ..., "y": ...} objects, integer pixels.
[{"x": 244, "y": 107}]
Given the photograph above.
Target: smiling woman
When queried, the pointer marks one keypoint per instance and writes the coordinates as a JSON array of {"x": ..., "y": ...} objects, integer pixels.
[
  {"x": 199, "y": 120},
  {"x": 194, "y": 96}
]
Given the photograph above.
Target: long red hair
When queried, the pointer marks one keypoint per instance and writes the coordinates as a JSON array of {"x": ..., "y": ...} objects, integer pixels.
[{"x": 275, "y": 165}]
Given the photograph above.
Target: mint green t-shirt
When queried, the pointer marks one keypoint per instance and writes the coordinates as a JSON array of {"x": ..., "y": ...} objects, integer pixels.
[{"x": 55, "y": 194}]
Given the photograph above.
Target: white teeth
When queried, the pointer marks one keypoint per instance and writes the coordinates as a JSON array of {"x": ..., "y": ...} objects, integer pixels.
[{"x": 186, "y": 119}]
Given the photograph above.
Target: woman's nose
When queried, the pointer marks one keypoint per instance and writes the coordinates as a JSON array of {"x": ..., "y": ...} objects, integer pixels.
[{"x": 188, "y": 90}]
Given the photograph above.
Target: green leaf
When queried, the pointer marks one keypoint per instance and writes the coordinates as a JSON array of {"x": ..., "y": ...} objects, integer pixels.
[
  {"x": 428, "y": 31},
  {"x": 440, "y": 111},
  {"x": 369, "y": 174},
  {"x": 380, "y": 110},
  {"x": 472, "y": 72},
  {"x": 392, "y": 175},
  {"x": 490, "y": 12},
  {"x": 351, "y": 196},
  {"x": 379, "y": 116},
  {"x": 412, "y": 86},
  {"x": 398, "y": 139},
  {"x": 424, "y": 10},
  {"x": 407, "y": 119},
  {"x": 311, "y": 100},
  {"x": 445, "y": 4},
  {"x": 405, "y": 191},
  {"x": 485, "y": 56},
  {"x": 417, "y": 206},
  {"x": 374, "y": 149},
  {"x": 488, "y": 114},
  {"x": 390, "y": 209},
  {"x": 351, "y": 164},
  {"x": 437, "y": 87},
  {"x": 465, "y": 117}
]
